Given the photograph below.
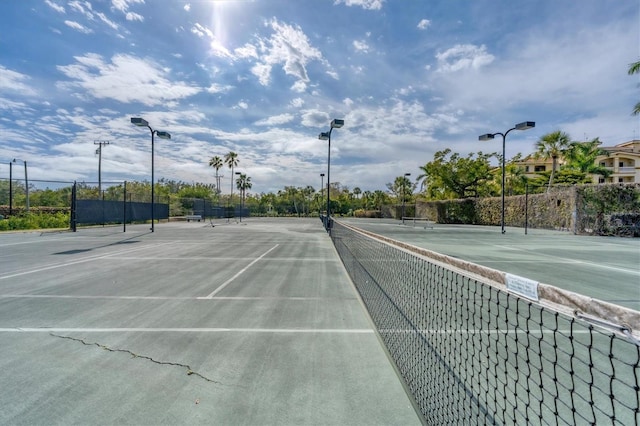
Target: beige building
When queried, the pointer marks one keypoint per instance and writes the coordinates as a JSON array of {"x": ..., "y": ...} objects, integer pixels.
[{"x": 623, "y": 160}]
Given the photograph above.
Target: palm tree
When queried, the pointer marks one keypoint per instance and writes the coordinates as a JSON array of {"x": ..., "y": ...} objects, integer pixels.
[
  {"x": 217, "y": 163},
  {"x": 634, "y": 68},
  {"x": 231, "y": 160},
  {"x": 357, "y": 191},
  {"x": 243, "y": 183},
  {"x": 552, "y": 145},
  {"x": 581, "y": 156},
  {"x": 379, "y": 198}
]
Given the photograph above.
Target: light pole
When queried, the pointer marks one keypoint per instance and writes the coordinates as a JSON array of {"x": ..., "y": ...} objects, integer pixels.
[
  {"x": 10, "y": 188},
  {"x": 141, "y": 122},
  {"x": 404, "y": 195},
  {"x": 99, "y": 152},
  {"x": 525, "y": 125},
  {"x": 326, "y": 136},
  {"x": 241, "y": 197},
  {"x": 321, "y": 192},
  {"x": 26, "y": 182}
]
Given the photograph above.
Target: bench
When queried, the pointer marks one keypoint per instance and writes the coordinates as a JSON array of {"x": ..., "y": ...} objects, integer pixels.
[{"x": 193, "y": 217}]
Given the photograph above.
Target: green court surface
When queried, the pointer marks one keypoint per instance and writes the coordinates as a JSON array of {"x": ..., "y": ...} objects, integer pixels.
[
  {"x": 241, "y": 323},
  {"x": 604, "y": 268}
]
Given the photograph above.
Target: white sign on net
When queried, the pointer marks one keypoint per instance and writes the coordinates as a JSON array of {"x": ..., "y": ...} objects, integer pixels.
[{"x": 522, "y": 286}]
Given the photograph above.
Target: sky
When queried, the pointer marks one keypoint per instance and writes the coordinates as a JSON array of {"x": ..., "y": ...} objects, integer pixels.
[{"x": 263, "y": 78}]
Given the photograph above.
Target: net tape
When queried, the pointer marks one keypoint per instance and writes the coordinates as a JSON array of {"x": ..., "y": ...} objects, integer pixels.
[{"x": 472, "y": 353}]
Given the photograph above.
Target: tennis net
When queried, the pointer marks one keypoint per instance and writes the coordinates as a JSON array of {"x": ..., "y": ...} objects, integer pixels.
[{"x": 471, "y": 352}]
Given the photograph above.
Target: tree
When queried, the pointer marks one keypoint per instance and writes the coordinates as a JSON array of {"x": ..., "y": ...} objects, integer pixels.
[
  {"x": 357, "y": 191},
  {"x": 231, "y": 160},
  {"x": 581, "y": 157},
  {"x": 457, "y": 177},
  {"x": 217, "y": 163},
  {"x": 552, "y": 145},
  {"x": 515, "y": 179},
  {"x": 367, "y": 199},
  {"x": 402, "y": 188},
  {"x": 243, "y": 183},
  {"x": 380, "y": 198},
  {"x": 634, "y": 68}
]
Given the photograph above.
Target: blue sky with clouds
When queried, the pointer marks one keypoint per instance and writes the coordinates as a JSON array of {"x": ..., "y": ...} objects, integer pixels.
[{"x": 264, "y": 77}]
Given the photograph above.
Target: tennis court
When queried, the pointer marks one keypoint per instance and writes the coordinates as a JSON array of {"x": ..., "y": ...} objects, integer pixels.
[
  {"x": 252, "y": 323},
  {"x": 605, "y": 268}
]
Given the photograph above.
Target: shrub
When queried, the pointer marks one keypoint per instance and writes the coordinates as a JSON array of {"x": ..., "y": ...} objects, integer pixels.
[{"x": 35, "y": 221}]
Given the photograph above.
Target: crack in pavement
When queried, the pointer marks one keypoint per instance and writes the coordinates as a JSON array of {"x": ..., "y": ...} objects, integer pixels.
[{"x": 190, "y": 371}]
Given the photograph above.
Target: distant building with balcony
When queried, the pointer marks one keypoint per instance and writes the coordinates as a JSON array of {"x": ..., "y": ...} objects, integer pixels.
[
  {"x": 623, "y": 160},
  {"x": 532, "y": 166}
]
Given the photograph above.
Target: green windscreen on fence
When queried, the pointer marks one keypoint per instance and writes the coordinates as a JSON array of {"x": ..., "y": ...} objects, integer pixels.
[{"x": 472, "y": 353}]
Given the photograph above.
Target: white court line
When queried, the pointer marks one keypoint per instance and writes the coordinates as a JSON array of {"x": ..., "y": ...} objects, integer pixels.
[
  {"x": 61, "y": 296},
  {"x": 238, "y": 274},
  {"x": 271, "y": 330},
  {"x": 492, "y": 331},
  {"x": 187, "y": 330},
  {"x": 572, "y": 261},
  {"x": 75, "y": 262}
]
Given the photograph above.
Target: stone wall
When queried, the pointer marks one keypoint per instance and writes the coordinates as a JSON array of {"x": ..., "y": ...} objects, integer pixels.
[{"x": 585, "y": 209}]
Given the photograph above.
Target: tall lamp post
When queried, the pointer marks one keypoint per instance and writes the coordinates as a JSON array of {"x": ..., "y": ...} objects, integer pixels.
[
  {"x": 26, "y": 182},
  {"x": 404, "y": 195},
  {"x": 100, "y": 144},
  {"x": 241, "y": 197},
  {"x": 10, "y": 188},
  {"x": 525, "y": 125},
  {"x": 321, "y": 191},
  {"x": 326, "y": 136},
  {"x": 141, "y": 122}
]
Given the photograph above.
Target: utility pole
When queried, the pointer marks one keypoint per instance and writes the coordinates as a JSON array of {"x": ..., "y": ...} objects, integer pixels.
[{"x": 99, "y": 152}]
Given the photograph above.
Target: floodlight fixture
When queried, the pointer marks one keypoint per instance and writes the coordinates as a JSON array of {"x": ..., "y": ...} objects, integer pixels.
[
  {"x": 525, "y": 125},
  {"x": 141, "y": 122},
  {"x": 336, "y": 123},
  {"x": 486, "y": 137},
  {"x": 324, "y": 136}
]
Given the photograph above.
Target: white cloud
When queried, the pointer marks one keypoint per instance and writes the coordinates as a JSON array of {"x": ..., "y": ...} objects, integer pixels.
[
  {"x": 55, "y": 6},
  {"x": 78, "y": 27},
  {"x": 243, "y": 105},
  {"x": 299, "y": 86},
  {"x": 216, "y": 47},
  {"x": 123, "y": 5},
  {"x": 361, "y": 46},
  {"x": 297, "y": 102},
  {"x": 315, "y": 118},
  {"x": 246, "y": 51},
  {"x": 125, "y": 79},
  {"x": 290, "y": 47},
  {"x": 217, "y": 88},
  {"x": 12, "y": 81},
  {"x": 201, "y": 31},
  {"x": 275, "y": 120},
  {"x": 424, "y": 24},
  {"x": 463, "y": 56},
  {"x": 187, "y": 7},
  {"x": 107, "y": 21},
  {"x": 365, "y": 4},
  {"x": 134, "y": 17},
  {"x": 83, "y": 8}
]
